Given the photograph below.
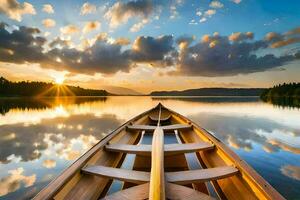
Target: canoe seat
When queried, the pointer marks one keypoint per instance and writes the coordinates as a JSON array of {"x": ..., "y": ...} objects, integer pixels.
[
  {"x": 162, "y": 119},
  {"x": 172, "y": 127},
  {"x": 169, "y": 149},
  {"x": 132, "y": 176},
  {"x": 173, "y": 191},
  {"x": 180, "y": 177}
]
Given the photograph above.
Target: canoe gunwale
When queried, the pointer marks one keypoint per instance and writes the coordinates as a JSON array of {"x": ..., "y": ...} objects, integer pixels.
[{"x": 66, "y": 175}]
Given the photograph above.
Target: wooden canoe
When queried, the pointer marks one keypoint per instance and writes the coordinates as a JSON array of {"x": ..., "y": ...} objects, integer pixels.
[{"x": 159, "y": 154}]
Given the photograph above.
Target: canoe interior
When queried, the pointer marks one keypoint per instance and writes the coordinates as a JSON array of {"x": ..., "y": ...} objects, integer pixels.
[{"x": 74, "y": 184}]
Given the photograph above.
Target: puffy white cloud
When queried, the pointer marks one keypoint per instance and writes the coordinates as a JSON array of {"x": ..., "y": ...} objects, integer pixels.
[
  {"x": 203, "y": 19},
  {"x": 210, "y": 12},
  {"x": 136, "y": 27},
  {"x": 48, "y": 8},
  {"x": 49, "y": 23},
  {"x": 69, "y": 29},
  {"x": 121, "y": 12},
  {"x": 216, "y": 4},
  {"x": 91, "y": 26},
  {"x": 15, "y": 10},
  {"x": 87, "y": 8},
  {"x": 238, "y": 36}
]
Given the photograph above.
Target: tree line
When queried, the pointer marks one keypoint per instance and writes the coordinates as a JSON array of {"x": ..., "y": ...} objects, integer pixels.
[
  {"x": 34, "y": 88},
  {"x": 285, "y": 90}
]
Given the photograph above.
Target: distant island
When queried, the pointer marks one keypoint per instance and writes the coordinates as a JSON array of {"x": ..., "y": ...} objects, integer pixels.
[
  {"x": 287, "y": 94},
  {"x": 29, "y": 89},
  {"x": 212, "y": 92}
]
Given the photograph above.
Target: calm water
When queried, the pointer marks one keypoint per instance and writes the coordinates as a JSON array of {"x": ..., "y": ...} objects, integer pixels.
[{"x": 40, "y": 138}]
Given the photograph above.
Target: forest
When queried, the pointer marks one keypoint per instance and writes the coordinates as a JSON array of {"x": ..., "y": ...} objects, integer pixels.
[{"x": 36, "y": 89}]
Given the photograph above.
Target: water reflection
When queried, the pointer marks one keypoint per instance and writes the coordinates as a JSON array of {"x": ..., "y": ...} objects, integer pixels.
[{"x": 41, "y": 137}]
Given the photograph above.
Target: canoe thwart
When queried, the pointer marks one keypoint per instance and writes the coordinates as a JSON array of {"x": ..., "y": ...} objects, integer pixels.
[
  {"x": 201, "y": 175},
  {"x": 169, "y": 149},
  {"x": 180, "y": 177},
  {"x": 131, "y": 176},
  {"x": 172, "y": 127}
]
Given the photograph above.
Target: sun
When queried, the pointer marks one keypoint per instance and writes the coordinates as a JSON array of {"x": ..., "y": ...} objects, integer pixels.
[{"x": 59, "y": 80}]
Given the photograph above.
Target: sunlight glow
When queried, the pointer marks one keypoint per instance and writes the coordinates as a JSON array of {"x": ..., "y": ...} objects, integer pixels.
[{"x": 59, "y": 80}]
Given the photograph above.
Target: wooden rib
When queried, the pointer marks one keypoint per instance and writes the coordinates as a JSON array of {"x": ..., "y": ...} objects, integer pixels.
[
  {"x": 131, "y": 176},
  {"x": 157, "y": 178},
  {"x": 161, "y": 119},
  {"x": 201, "y": 175},
  {"x": 140, "y": 127},
  {"x": 179, "y": 192},
  {"x": 139, "y": 192},
  {"x": 170, "y": 149}
]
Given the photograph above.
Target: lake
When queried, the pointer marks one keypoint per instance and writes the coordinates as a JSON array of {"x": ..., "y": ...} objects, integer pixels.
[{"x": 40, "y": 138}]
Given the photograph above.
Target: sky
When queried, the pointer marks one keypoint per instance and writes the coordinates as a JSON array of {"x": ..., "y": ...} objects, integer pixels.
[{"x": 151, "y": 45}]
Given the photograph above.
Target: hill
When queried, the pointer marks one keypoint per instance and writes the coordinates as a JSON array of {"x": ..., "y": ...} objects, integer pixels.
[
  {"x": 26, "y": 88},
  {"x": 120, "y": 90},
  {"x": 212, "y": 92}
]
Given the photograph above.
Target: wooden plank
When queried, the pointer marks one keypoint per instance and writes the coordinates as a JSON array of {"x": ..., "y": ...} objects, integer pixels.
[
  {"x": 173, "y": 191},
  {"x": 162, "y": 119},
  {"x": 201, "y": 175},
  {"x": 139, "y": 127},
  {"x": 157, "y": 178},
  {"x": 179, "y": 192},
  {"x": 170, "y": 149},
  {"x": 139, "y": 192},
  {"x": 131, "y": 176}
]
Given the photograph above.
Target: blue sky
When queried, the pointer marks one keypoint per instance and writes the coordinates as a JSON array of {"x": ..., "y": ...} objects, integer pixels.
[{"x": 152, "y": 30}]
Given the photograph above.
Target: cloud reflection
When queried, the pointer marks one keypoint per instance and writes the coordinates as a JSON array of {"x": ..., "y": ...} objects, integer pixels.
[
  {"x": 291, "y": 171},
  {"x": 14, "y": 180}
]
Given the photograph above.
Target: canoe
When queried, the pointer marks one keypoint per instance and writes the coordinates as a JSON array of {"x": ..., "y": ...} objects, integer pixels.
[{"x": 159, "y": 154}]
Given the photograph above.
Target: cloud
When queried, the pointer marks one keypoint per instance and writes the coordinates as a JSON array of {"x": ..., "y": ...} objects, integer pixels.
[
  {"x": 121, "y": 12},
  {"x": 236, "y": 1},
  {"x": 87, "y": 8},
  {"x": 48, "y": 23},
  {"x": 69, "y": 29},
  {"x": 15, "y": 10},
  {"x": 203, "y": 19},
  {"x": 14, "y": 180},
  {"x": 214, "y": 55},
  {"x": 210, "y": 12},
  {"x": 48, "y": 8},
  {"x": 91, "y": 26},
  {"x": 21, "y": 45},
  {"x": 291, "y": 171},
  {"x": 216, "y": 4},
  {"x": 173, "y": 9},
  {"x": 238, "y": 36},
  {"x": 227, "y": 56},
  {"x": 60, "y": 43},
  {"x": 122, "y": 41},
  {"x": 49, "y": 163},
  {"x": 149, "y": 49},
  {"x": 278, "y": 40},
  {"x": 136, "y": 27}
]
